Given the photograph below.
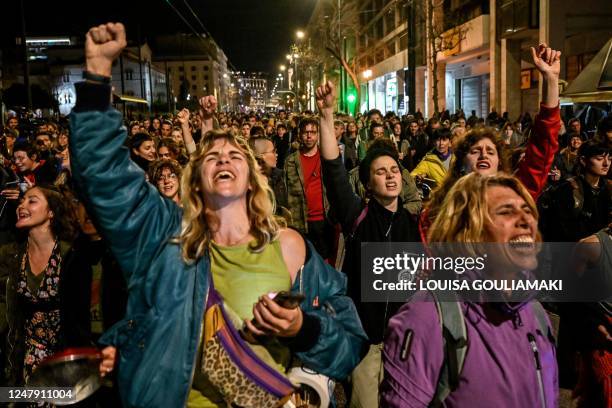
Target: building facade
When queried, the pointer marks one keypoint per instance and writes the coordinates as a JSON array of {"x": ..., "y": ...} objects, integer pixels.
[
  {"x": 252, "y": 88},
  {"x": 195, "y": 67},
  {"x": 484, "y": 62}
]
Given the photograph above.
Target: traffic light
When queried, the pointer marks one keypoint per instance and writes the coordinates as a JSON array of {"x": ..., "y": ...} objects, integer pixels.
[{"x": 351, "y": 100}]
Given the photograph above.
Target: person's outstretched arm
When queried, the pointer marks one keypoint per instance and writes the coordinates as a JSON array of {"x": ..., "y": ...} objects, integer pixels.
[
  {"x": 346, "y": 205},
  {"x": 544, "y": 141},
  {"x": 183, "y": 118},
  {"x": 130, "y": 213}
]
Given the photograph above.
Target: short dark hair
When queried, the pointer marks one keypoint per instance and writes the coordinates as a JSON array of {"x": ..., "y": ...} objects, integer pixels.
[
  {"x": 572, "y": 120},
  {"x": 441, "y": 133},
  {"x": 43, "y": 133},
  {"x": 28, "y": 148},
  {"x": 375, "y": 125},
  {"x": 309, "y": 120},
  {"x": 378, "y": 149},
  {"x": 257, "y": 130},
  {"x": 281, "y": 125},
  {"x": 138, "y": 139},
  {"x": 593, "y": 148},
  {"x": 167, "y": 122},
  {"x": 373, "y": 112},
  {"x": 171, "y": 145}
]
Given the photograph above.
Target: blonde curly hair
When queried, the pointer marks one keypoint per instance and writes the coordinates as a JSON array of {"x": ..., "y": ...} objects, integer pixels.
[
  {"x": 196, "y": 233},
  {"x": 464, "y": 212}
]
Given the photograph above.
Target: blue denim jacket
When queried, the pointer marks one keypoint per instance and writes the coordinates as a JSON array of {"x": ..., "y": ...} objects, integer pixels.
[{"x": 158, "y": 339}]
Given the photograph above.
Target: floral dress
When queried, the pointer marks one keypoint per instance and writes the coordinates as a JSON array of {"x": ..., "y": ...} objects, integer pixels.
[{"x": 42, "y": 323}]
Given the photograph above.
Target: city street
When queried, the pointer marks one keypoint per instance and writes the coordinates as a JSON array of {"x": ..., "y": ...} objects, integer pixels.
[{"x": 296, "y": 204}]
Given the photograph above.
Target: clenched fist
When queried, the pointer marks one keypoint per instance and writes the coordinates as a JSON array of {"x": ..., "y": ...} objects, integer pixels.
[
  {"x": 183, "y": 117},
  {"x": 326, "y": 97},
  {"x": 103, "y": 44},
  {"x": 208, "y": 105}
]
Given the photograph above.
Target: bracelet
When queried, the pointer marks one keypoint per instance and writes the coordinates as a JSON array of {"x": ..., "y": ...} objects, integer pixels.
[{"x": 90, "y": 76}]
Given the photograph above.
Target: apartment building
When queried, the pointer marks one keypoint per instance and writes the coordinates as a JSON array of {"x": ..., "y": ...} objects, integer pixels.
[{"x": 488, "y": 66}]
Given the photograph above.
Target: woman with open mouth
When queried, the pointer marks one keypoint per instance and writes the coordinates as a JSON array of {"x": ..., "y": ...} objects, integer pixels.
[
  {"x": 224, "y": 250},
  {"x": 464, "y": 353},
  {"x": 382, "y": 219},
  {"x": 166, "y": 174},
  {"x": 483, "y": 150},
  {"x": 34, "y": 281}
]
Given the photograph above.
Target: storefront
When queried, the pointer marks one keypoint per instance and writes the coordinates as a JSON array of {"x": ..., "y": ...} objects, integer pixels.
[
  {"x": 467, "y": 87},
  {"x": 384, "y": 93}
]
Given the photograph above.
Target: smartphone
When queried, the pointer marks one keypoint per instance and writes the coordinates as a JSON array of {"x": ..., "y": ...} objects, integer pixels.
[
  {"x": 13, "y": 185},
  {"x": 289, "y": 300}
]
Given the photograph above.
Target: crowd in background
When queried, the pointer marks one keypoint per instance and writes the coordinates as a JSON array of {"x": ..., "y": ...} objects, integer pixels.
[{"x": 72, "y": 296}]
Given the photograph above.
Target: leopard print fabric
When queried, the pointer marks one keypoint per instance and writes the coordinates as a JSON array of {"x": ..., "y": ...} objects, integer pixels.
[{"x": 236, "y": 388}]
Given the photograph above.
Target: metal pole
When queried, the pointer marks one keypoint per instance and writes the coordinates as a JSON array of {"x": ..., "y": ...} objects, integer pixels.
[
  {"x": 26, "y": 68},
  {"x": 150, "y": 85},
  {"x": 410, "y": 79}
]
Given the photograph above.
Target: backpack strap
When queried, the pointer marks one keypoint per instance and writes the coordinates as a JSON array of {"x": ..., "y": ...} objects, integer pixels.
[
  {"x": 454, "y": 332},
  {"x": 543, "y": 322},
  {"x": 359, "y": 219}
]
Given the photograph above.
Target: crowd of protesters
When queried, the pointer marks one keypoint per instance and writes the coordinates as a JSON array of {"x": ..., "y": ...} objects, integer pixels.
[{"x": 283, "y": 201}]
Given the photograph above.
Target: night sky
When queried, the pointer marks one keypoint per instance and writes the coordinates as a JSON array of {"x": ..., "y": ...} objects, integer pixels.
[{"x": 255, "y": 34}]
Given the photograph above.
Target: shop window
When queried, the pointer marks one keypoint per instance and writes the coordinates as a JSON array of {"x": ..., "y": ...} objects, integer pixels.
[
  {"x": 193, "y": 68},
  {"x": 181, "y": 69},
  {"x": 129, "y": 74}
]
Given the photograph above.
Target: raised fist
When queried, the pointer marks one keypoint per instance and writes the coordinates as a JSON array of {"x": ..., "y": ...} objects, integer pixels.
[
  {"x": 326, "y": 96},
  {"x": 208, "y": 106},
  {"x": 103, "y": 44},
  {"x": 547, "y": 60},
  {"x": 183, "y": 116}
]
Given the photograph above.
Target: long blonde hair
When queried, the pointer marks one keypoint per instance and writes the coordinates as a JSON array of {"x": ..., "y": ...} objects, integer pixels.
[
  {"x": 196, "y": 233},
  {"x": 464, "y": 212}
]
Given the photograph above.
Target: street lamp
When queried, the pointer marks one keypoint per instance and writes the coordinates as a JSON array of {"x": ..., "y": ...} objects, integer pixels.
[
  {"x": 300, "y": 34},
  {"x": 367, "y": 73}
]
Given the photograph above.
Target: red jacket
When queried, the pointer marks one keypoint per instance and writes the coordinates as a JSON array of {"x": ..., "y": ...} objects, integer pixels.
[
  {"x": 539, "y": 155},
  {"x": 540, "y": 150}
]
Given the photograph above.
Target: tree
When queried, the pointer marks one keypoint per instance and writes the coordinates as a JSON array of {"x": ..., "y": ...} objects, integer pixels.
[
  {"x": 444, "y": 33},
  {"x": 337, "y": 22}
]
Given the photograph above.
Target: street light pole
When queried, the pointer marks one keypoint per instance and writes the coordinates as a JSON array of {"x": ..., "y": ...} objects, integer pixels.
[{"x": 410, "y": 78}]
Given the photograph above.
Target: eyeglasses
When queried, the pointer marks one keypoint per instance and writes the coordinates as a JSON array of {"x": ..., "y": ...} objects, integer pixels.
[
  {"x": 310, "y": 132},
  {"x": 167, "y": 177}
]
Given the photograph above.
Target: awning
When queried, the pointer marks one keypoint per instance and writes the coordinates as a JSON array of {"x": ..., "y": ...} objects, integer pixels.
[
  {"x": 128, "y": 99},
  {"x": 594, "y": 83}
]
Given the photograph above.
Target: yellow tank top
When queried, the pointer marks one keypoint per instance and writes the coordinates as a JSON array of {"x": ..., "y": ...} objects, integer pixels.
[{"x": 241, "y": 276}]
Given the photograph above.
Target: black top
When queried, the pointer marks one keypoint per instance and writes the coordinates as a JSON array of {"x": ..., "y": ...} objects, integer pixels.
[{"x": 379, "y": 225}]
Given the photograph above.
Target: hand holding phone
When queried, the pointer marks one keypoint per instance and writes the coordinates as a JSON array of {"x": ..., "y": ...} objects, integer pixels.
[{"x": 277, "y": 314}]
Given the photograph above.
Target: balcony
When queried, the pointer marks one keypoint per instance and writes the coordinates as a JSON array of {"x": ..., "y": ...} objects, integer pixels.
[{"x": 518, "y": 17}]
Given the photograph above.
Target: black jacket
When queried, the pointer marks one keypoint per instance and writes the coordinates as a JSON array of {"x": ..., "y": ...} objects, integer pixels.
[
  {"x": 379, "y": 225},
  {"x": 573, "y": 210}
]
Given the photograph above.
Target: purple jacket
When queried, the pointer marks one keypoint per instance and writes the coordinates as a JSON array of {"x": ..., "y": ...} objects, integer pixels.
[{"x": 499, "y": 368}]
